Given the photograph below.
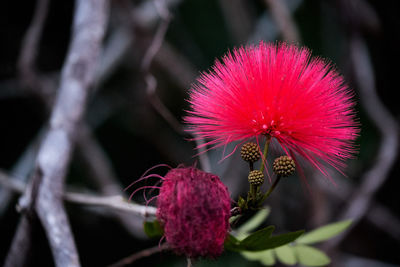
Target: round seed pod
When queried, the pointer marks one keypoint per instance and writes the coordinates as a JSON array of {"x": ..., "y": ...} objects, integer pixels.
[
  {"x": 284, "y": 166},
  {"x": 250, "y": 152},
  {"x": 256, "y": 177}
]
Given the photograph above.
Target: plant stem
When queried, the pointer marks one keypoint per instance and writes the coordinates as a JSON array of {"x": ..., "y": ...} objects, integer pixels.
[
  {"x": 271, "y": 188},
  {"x": 253, "y": 192},
  {"x": 265, "y": 153}
]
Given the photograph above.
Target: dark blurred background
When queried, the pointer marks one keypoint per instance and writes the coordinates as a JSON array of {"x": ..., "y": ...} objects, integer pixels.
[{"x": 132, "y": 128}]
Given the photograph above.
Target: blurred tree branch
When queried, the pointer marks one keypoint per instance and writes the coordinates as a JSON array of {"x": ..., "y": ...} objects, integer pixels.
[
  {"x": 237, "y": 18},
  {"x": 29, "y": 49},
  {"x": 90, "y": 151},
  {"x": 101, "y": 172},
  {"x": 378, "y": 214},
  {"x": 55, "y": 151},
  {"x": 372, "y": 180},
  {"x": 115, "y": 202},
  {"x": 375, "y": 177},
  {"x": 151, "y": 81},
  {"x": 22, "y": 242},
  {"x": 21, "y": 169},
  {"x": 92, "y": 154},
  {"x": 54, "y": 155}
]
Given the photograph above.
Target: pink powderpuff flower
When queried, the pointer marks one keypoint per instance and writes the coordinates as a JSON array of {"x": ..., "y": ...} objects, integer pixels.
[
  {"x": 194, "y": 209},
  {"x": 281, "y": 92}
]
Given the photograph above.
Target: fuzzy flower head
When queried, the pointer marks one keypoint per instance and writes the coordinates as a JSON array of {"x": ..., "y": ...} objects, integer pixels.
[
  {"x": 194, "y": 208},
  {"x": 278, "y": 91}
]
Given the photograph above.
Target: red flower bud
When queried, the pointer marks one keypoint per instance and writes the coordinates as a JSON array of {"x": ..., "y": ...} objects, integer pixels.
[{"x": 194, "y": 209}]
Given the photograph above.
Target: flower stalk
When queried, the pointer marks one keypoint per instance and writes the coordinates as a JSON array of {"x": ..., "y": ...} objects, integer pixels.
[
  {"x": 271, "y": 189},
  {"x": 265, "y": 152},
  {"x": 254, "y": 189},
  {"x": 253, "y": 192},
  {"x": 282, "y": 166}
]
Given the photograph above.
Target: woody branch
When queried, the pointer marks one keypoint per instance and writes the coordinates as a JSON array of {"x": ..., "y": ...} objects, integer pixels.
[{"x": 55, "y": 150}]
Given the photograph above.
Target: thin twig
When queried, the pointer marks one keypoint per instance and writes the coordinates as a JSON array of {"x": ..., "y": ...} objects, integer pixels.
[
  {"x": 11, "y": 183},
  {"x": 157, "y": 40},
  {"x": 22, "y": 242},
  {"x": 151, "y": 82},
  {"x": 112, "y": 202},
  {"x": 30, "y": 45},
  {"x": 159, "y": 106},
  {"x": 138, "y": 255},
  {"x": 21, "y": 170},
  {"x": 101, "y": 171}
]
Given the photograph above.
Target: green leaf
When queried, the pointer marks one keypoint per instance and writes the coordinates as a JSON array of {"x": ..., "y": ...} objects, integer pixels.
[
  {"x": 254, "y": 221},
  {"x": 257, "y": 240},
  {"x": 280, "y": 240},
  {"x": 310, "y": 256},
  {"x": 153, "y": 229},
  {"x": 262, "y": 239},
  {"x": 234, "y": 218},
  {"x": 286, "y": 255},
  {"x": 232, "y": 243},
  {"x": 324, "y": 232},
  {"x": 268, "y": 258},
  {"x": 265, "y": 257}
]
